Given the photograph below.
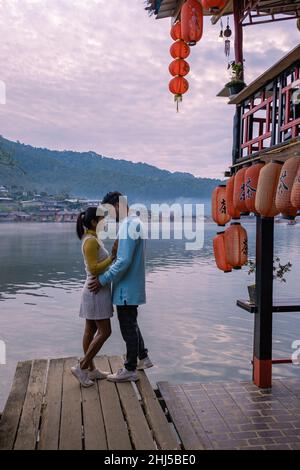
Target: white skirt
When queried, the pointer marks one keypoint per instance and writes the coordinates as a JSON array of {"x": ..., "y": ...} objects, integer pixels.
[{"x": 96, "y": 306}]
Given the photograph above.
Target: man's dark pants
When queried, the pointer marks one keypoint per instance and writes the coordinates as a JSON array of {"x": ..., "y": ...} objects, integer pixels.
[{"x": 132, "y": 336}]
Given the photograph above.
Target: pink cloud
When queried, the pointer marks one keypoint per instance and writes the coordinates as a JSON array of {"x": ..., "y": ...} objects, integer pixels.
[{"x": 93, "y": 75}]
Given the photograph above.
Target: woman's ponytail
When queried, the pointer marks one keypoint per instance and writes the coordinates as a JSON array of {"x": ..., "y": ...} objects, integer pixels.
[
  {"x": 85, "y": 219},
  {"x": 80, "y": 225}
]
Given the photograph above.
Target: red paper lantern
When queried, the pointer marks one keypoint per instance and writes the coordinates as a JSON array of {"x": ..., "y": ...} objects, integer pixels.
[
  {"x": 267, "y": 189},
  {"x": 191, "y": 21},
  {"x": 232, "y": 211},
  {"x": 213, "y": 4},
  {"x": 180, "y": 50},
  {"x": 179, "y": 67},
  {"x": 219, "y": 252},
  {"x": 251, "y": 182},
  {"x": 284, "y": 191},
  {"x": 218, "y": 206},
  {"x": 295, "y": 196},
  {"x": 176, "y": 31},
  {"x": 239, "y": 195},
  {"x": 236, "y": 245},
  {"x": 178, "y": 85}
]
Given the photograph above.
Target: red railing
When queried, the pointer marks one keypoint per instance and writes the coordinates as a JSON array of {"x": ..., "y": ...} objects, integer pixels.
[
  {"x": 268, "y": 118},
  {"x": 254, "y": 141}
]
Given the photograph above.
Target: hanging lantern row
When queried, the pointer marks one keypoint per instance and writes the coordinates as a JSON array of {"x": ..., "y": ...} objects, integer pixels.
[
  {"x": 179, "y": 68},
  {"x": 239, "y": 195},
  {"x": 267, "y": 190},
  {"x": 231, "y": 248},
  {"x": 186, "y": 32}
]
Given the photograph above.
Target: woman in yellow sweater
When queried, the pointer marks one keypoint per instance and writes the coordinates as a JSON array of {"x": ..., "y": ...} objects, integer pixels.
[{"x": 96, "y": 309}]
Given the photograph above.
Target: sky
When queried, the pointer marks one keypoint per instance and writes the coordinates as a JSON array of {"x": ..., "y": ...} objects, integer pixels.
[{"x": 93, "y": 75}]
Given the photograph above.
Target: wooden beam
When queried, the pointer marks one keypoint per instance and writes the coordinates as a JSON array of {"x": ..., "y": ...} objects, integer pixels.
[{"x": 238, "y": 36}]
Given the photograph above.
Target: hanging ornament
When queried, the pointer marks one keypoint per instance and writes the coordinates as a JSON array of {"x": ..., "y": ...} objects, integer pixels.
[
  {"x": 267, "y": 189},
  {"x": 219, "y": 206},
  {"x": 180, "y": 50},
  {"x": 236, "y": 245},
  {"x": 191, "y": 22},
  {"x": 285, "y": 185},
  {"x": 176, "y": 31},
  {"x": 179, "y": 67},
  {"x": 227, "y": 35},
  {"x": 220, "y": 254},
  {"x": 178, "y": 86},
  {"x": 221, "y": 35}
]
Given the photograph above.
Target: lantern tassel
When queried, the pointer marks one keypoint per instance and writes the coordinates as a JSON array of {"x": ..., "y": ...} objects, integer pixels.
[{"x": 177, "y": 99}]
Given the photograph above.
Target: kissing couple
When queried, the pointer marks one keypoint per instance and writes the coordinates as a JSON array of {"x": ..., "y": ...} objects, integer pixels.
[{"x": 112, "y": 279}]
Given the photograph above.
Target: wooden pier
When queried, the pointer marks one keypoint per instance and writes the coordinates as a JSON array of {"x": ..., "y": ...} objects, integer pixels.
[{"x": 48, "y": 410}]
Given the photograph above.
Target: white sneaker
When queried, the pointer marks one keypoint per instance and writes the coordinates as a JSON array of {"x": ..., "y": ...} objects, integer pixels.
[
  {"x": 82, "y": 376},
  {"x": 145, "y": 363},
  {"x": 97, "y": 374},
  {"x": 123, "y": 375}
]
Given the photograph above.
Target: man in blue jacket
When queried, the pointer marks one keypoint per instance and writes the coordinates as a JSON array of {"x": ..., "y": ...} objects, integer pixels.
[{"x": 127, "y": 276}]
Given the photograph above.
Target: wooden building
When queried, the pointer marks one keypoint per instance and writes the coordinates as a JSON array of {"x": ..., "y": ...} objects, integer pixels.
[{"x": 266, "y": 126}]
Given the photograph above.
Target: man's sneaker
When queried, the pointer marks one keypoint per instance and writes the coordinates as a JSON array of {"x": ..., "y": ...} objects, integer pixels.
[
  {"x": 97, "y": 374},
  {"x": 145, "y": 363},
  {"x": 123, "y": 375},
  {"x": 82, "y": 376}
]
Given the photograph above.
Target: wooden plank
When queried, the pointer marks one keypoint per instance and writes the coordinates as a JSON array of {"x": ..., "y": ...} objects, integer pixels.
[
  {"x": 140, "y": 433},
  {"x": 50, "y": 425},
  {"x": 11, "y": 415},
  {"x": 157, "y": 420},
  {"x": 31, "y": 413},
  {"x": 178, "y": 414},
  {"x": 93, "y": 422},
  {"x": 71, "y": 422},
  {"x": 115, "y": 425}
]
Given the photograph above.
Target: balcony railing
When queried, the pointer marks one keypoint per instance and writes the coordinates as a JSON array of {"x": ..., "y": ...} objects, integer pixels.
[{"x": 267, "y": 116}]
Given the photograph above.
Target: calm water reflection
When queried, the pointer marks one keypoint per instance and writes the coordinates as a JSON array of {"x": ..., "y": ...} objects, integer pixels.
[{"x": 191, "y": 323}]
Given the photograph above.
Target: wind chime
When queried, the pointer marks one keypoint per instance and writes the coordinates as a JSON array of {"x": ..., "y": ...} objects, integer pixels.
[{"x": 225, "y": 35}]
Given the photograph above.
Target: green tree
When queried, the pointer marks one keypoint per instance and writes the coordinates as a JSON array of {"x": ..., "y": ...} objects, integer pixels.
[{"x": 7, "y": 159}]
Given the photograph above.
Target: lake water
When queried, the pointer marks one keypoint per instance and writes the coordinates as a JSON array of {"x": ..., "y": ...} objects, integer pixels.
[{"x": 192, "y": 327}]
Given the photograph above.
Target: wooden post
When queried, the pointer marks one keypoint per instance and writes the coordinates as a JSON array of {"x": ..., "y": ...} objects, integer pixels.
[
  {"x": 238, "y": 31},
  {"x": 237, "y": 130},
  {"x": 262, "y": 353},
  {"x": 239, "y": 57}
]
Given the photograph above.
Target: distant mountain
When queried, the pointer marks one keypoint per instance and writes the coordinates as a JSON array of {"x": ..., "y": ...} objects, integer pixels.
[{"x": 91, "y": 175}]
